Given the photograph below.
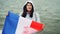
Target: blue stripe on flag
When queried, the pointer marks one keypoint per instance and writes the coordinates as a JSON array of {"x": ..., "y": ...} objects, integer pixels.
[{"x": 11, "y": 22}]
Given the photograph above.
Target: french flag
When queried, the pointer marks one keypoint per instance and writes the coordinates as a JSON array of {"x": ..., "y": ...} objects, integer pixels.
[{"x": 15, "y": 24}]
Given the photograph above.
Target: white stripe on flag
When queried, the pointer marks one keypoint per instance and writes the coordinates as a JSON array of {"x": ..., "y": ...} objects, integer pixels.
[{"x": 23, "y": 22}]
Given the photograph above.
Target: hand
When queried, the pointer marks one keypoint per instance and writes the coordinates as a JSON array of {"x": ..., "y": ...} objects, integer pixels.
[{"x": 7, "y": 14}]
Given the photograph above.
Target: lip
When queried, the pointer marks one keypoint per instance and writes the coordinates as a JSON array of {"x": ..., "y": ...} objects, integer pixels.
[{"x": 29, "y": 8}]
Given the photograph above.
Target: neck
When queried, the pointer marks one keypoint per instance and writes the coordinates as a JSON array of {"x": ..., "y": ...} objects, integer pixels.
[{"x": 29, "y": 12}]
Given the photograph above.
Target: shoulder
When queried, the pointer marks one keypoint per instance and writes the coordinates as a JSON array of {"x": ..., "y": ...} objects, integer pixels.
[{"x": 36, "y": 13}]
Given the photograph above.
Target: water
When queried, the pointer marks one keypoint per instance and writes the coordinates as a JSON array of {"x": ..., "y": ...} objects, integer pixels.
[{"x": 49, "y": 11}]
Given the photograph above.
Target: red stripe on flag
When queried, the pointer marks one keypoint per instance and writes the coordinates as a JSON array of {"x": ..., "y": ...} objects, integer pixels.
[{"x": 37, "y": 26}]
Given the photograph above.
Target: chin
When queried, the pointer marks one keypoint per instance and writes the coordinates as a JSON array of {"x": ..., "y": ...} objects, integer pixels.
[{"x": 29, "y": 10}]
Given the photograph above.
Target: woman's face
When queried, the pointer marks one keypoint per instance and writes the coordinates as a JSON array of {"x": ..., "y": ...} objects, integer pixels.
[{"x": 29, "y": 7}]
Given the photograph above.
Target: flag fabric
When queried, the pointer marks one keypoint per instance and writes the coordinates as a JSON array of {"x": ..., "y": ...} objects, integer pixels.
[{"x": 15, "y": 24}]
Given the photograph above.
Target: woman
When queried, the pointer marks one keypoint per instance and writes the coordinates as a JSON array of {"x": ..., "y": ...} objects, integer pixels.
[{"x": 28, "y": 12}]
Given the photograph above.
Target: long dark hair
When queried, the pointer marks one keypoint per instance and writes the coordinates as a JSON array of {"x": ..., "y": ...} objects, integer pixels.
[{"x": 25, "y": 10}]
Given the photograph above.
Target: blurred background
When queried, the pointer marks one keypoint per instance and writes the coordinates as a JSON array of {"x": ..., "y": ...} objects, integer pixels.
[{"x": 49, "y": 11}]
